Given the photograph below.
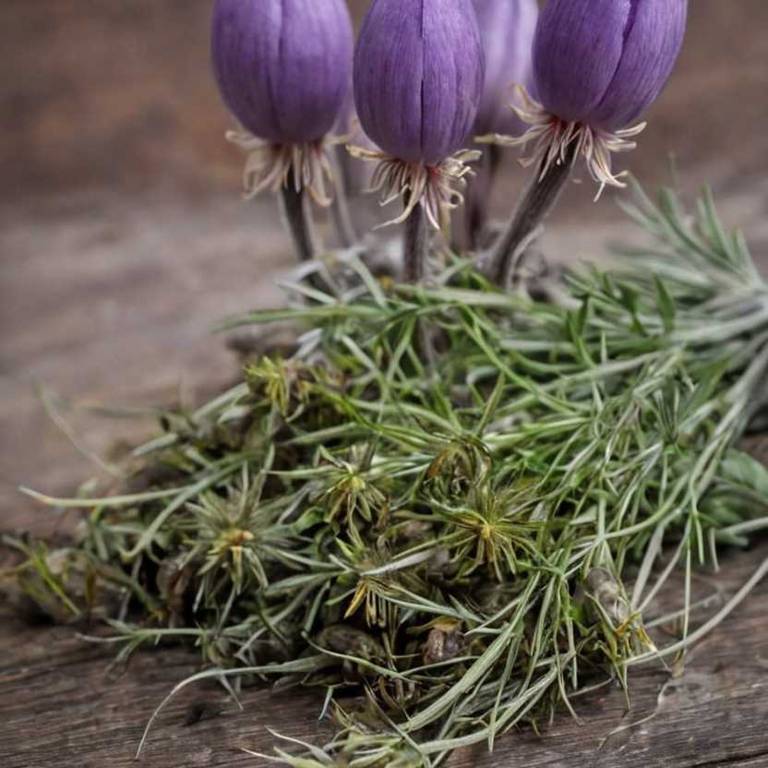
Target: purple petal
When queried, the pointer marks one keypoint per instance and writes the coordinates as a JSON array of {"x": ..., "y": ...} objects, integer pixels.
[
  {"x": 507, "y": 29},
  {"x": 418, "y": 76},
  {"x": 453, "y": 76},
  {"x": 312, "y": 75},
  {"x": 283, "y": 66},
  {"x": 388, "y": 74},
  {"x": 653, "y": 40},
  {"x": 246, "y": 35},
  {"x": 577, "y": 49}
]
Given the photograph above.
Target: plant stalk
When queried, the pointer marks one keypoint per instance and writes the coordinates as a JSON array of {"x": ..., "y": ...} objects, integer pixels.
[
  {"x": 298, "y": 218},
  {"x": 342, "y": 217},
  {"x": 416, "y": 244},
  {"x": 479, "y": 195},
  {"x": 539, "y": 199},
  {"x": 415, "y": 253}
]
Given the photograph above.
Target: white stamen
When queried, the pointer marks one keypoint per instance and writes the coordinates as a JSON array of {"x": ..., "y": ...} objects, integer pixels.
[
  {"x": 553, "y": 137},
  {"x": 433, "y": 187},
  {"x": 269, "y": 166}
]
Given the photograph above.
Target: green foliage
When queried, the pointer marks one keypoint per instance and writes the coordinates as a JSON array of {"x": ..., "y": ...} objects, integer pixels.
[{"x": 468, "y": 537}]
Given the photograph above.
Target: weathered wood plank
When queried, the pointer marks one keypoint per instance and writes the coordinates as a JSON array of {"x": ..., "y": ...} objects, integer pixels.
[{"x": 61, "y": 706}]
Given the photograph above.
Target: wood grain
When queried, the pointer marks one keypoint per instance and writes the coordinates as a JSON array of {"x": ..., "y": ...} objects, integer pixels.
[{"x": 62, "y": 706}]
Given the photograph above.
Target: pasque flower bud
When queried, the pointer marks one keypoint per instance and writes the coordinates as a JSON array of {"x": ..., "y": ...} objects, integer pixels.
[
  {"x": 598, "y": 65},
  {"x": 283, "y": 68},
  {"x": 507, "y": 29},
  {"x": 604, "y": 62},
  {"x": 419, "y": 77}
]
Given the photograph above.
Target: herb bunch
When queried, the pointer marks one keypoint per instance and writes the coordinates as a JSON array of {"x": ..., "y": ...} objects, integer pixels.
[{"x": 470, "y": 537}]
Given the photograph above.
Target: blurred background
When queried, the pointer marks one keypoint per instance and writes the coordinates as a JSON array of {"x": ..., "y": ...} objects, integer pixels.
[{"x": 124, "y": 238}]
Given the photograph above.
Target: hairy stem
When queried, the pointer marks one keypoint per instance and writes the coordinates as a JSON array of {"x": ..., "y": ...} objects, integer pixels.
[
  {"x": 415, "y": 247},
  {"x": 479, "y": 195},
  {"x": 342, "y": 217},
  {"x": 539, "y": 199},
  {"x": 298, "y": 218}
]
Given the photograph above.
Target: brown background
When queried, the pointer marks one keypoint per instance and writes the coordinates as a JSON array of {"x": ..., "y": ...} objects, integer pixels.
[{"x": 123, "y": 239}]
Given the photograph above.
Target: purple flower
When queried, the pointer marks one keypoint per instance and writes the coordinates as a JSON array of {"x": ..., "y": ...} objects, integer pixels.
[
  {"x": 283, "y": 66},
  {"x": 602, "y": 63},
  {"x": 419, "y": 77},
  {"x": 507, "y": 28}
]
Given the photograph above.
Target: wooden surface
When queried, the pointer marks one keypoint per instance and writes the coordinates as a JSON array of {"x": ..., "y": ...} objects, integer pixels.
[
  {"x": 61, "y": 706},
  {"x": 122, "y": 242}
]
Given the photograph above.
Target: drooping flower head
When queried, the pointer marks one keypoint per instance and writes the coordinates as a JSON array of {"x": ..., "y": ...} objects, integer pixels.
[
  {"x": 283, "y": 68},
  {"x": 604, "y": 62},
  {"x": 507, "y": 29},
  {"x": 598, "y": 65},
  {"x": 418, "y": 80}
]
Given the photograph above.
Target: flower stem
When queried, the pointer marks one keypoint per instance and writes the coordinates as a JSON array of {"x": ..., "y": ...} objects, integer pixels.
[
  {"x": 479, "y": 195},
  {"x": 538, "y": 201},
  {"x": 342, "y": 218},
  {"x": 415, "y": 246},
  {"x": 299, "y": 220}
]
